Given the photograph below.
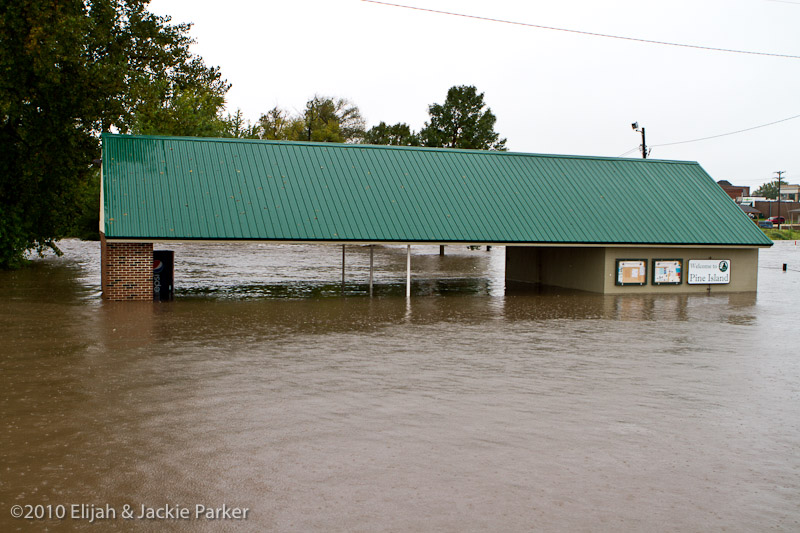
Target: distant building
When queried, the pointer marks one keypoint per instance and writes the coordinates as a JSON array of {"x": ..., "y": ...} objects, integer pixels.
[
  {"x": 770, "y": 208},
  {"x": 790, "y": 193},
  {"x": 752, "y": 212},
  {"x": 751, "y": 200},
  {"x": 736, "y": 192}
]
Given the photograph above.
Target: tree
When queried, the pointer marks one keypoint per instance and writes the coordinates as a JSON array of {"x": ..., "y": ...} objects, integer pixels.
[
  {"x": 274, "y": 125},
  {"x": 462, "y": 122},
  {"x": 186, "y": 101},
  {"x": 399, "y": 134},
  {"x": 87, "y": 223},
  {"x": 237, "y": 127},
  {"x": 326, "y": 119},
  {"x": 768, "y": 190},
  {"x": 70, "y": 70}
]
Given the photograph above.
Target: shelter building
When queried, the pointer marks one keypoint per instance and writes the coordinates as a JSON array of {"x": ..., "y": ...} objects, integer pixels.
[
  {"x": 752, "y": 212},
  {"x": 598, "y": 224}
]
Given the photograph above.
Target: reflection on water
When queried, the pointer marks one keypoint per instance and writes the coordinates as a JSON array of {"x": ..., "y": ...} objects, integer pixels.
[{"x": 467, "y": 407}]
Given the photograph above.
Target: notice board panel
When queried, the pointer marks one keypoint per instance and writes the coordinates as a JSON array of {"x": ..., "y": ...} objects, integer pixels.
[
  {"x": 631, "y": 271},
  {"x": 667, "y": 271},
  {"x": 709, "y": 271}
]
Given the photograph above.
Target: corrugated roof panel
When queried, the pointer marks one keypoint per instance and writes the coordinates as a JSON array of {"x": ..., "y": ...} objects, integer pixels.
[{"x": 188, "y": 188}]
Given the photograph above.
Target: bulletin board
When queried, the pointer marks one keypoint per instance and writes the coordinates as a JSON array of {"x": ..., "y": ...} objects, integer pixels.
[
  {"x": 667, "y": 272},
  {"x": 631, "y": 272}
]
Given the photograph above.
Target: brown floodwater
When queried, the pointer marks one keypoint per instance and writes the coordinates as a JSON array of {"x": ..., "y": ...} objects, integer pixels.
[{"x": 466, "y": 408}]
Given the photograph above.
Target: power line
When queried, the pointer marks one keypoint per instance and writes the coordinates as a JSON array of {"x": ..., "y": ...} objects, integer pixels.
[
  {"x": 699, "y": 47},
  {"x": 729, "y": 133}
]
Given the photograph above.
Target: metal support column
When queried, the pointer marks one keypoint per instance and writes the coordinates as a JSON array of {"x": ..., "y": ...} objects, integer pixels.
[
  {"x": 371, "y": 248},
  {"x": 343, "y": 269},
  {"x": 408, "y": 271}
]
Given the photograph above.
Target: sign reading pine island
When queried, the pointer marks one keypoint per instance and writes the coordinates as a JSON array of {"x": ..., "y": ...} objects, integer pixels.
[{"x": 709, "y": 271}]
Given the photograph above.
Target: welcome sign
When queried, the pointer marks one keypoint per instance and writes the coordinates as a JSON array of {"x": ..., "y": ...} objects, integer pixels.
[{"x": 709, "y": 271}]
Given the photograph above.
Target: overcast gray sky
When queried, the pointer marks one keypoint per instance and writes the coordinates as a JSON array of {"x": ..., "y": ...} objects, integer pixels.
[{"x": 552, "y": 92}]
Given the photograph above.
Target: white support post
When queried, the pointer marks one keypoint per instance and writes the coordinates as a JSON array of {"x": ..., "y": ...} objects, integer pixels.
[
  {"x": 408, "y": 271},
  {"x": 371, "y": 248}
]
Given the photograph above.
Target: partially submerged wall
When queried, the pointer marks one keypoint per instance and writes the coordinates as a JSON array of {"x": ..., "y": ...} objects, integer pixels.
[
  {"x": 572, "y": 268},
  {"x": 595, "y": 269},
  {"x": 126, "y": 271},
  {"x": 743, "y": 269}
]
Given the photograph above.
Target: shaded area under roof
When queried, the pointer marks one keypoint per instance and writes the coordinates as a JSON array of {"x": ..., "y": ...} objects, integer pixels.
[{"x": 173, "y": 188}]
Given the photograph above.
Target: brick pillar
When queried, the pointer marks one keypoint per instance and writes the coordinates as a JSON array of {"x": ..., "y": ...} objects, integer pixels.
[{"x": 126, "y": 270}]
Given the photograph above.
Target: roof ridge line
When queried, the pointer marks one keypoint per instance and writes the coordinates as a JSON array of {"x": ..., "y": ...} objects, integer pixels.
[{"x": 353, "y": 146}]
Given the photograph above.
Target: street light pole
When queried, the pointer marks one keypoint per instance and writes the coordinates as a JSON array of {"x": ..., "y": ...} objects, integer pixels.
[{"x": 635, "y": 127}]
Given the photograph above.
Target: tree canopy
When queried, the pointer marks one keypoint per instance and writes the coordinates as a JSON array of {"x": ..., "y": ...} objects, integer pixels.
[
  {"x": 463, "y": 121},
  {"x": 187, "y": 101},
  {"x": 768, "y": 190},
  {"x": 399, "y": 134},
  {"x": 328, "y": 119},
  {"x": 324, "y": 119},
  {"x": 274, "y": 125},
  {"x": 70, "y": 71}
]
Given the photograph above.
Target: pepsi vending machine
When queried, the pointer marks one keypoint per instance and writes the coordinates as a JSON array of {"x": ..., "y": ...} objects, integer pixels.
[{"x": 163, "y": 271}]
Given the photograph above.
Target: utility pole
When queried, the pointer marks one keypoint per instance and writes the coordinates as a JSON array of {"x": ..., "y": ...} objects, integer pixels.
[
  {"x": 635, "y": 127},
  {"x": 644, "y": 145},
  {"x": 779, "y": 173}
]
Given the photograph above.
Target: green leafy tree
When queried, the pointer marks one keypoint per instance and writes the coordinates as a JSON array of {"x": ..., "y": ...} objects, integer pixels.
[
  {"x": 237, "y": 126},
  {"x": 87, "y": 223},
  {"x": 324, "y": 119},
  {"x": 70, "y": 70},
  {"x": 463, "y": 121},
  {"x": 186, "y": 101},
  {"x": 768, "y": 190},
  {"x": 399, "y": 134},
  {"x": 274, "y": 125},
  {"x": 327, "y": 119}
]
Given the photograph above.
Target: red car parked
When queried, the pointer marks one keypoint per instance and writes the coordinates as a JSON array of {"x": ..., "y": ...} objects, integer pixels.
[{"x": 777, "y": 220}]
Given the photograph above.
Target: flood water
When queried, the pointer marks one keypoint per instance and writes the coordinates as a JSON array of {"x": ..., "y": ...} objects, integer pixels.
[{"x": 465, "y": 408}]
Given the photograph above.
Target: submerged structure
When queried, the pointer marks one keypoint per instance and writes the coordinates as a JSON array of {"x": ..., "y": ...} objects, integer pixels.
[{"x": 605, "y": 225}]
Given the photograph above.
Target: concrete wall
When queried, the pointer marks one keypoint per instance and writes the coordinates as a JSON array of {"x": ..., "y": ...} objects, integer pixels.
[
  {"x": 126, "y": 271},
  {"x": 593, "y": 269},
  {"x": 571, "y": 268},
  {"x": 743, "y": 273}
]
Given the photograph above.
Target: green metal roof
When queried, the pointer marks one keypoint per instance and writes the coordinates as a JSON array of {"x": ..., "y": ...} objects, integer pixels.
[{"x": 197, "y": 188}]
